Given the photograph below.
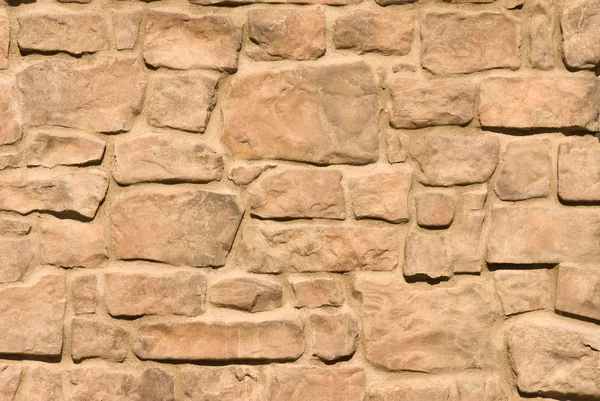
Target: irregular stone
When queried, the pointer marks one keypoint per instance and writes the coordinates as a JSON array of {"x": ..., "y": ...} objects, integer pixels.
[
  {"x": 69, "y": 243},
  {"x": 446, "y": 160},
  {"x": 180, "y": 226},
  {"x": 10, "y": 124},
  {"x": 390, "y": 2},
  {"x": 474, "y": 200},
  {"x": 156, "y": 385},
  {"x": 417, "y": 103},
  {"x": 578, "y": 169},
  {"x": 434, "y": 209},
  {"x": 277, "y": 34},
  {"x": 126, "y": 24},
  {"x": 182, "y": 41},
  {"x": 94, "y": 339},
  {"x": 4, "y": 39},
  {"x": 242, "y": 175},
  {"x": 247, "y": 294},
  {"x": 317, "y": 292},
  {"x": 540, "y": 102},
  {"x": 523, "y": 291},
  {"x": 15, "y": 258},
  {"x": 68, "y": 31},
  {"x": 338, "y": 123},
  {"x": 296, "y": 383},
  {"x": 10, "y": 158},
  {"x": 382, "y": 195},
  {"x": 334, "y": 335},
  {"x": 102, "y": 94},
  {"x": 41, "y": 384},
  {"x": 280, "y": 340},
  {"x": 428, "y": 255},
  {"x": 14, "y": 226},
  {"x": 10, "y": 377},
  {"x": 84, "y": 294},
  {"x": 241, "y": 2},
  {"x": 275, "y": 248},
  {"x": 227, "y": 383},
  {"x": 566, "y": 353},
  {"x": 166, "y": 158},
  {"x": 367, "y": 31},
  {"x": 578, "y": 290},
  {"x": 466, "y": 243},
  {"x": 541, "y": 34},
  {"x": 442, "y": 329},
  {"x": 31, "y": 317},
  {"x": 398, "y": 143},
  {"x": 488, "y": 39},
  {"x": 580, "y": 26},
  {"x": 49, "y": 149},
  {"x": 137, "y": 294}
]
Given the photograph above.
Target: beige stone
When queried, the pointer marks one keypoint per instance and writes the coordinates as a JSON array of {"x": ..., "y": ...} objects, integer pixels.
[
  {"x": 551, "y": 356},
  {"x": 580, "y": 26},
  {"x": 84, "y": 294},
  {"x": 10, "y": 377},
  {"x": 276, "y": 248},
  {"x": 541, "y": 34},
  {"x": 523, "y": 290},
  {"x": 398, "y": 143},
  {"x": 174, "y": 225},
  {"x": 474, "y": 200},
  {"x": 526, "y": 170},
  {"x": 386, "y": 31},
  {"x": 337, "y": 122},
  {"x": 241, "y": 2},
  {"x": 579, "y": 169},
  {"x": 247, "y": 293},
  {"x": 10, "y": 124},
  {"x": 264, "y": 339},
  {"x": 16, "y": 257},
  {"x": 446, "y": 159},
  {"x": 4, "y": 39},
  {"x": 166, "y": 158},
  {"x": 578, "y": 290},
  {"x": 95, "y": 339},
  {"x": 227, "y": 383},
  {"x": 10, "y": 158},
  {"x": 244, "y": 175},
  {"x": 31, "y": 317},
  {"x": 334, "y": 334},
  {"x": 434, "y": 209},
  {"x": 391, "y": 2},
  {"x": 317, "y": 292},
  {"x": 137, "y": 294},
  {"x": 458, "y": 41},
  {"x": 417, "y": 103},
  {"x": 382, "y": 195},
  {"x": 126, "y": 25},
  {"x": 69, "y": 243},
  {"x": 183, "y": 41},
  {"x": 466, "y": 242},
  {"x": 569, "y": 102},
  {"x": 428, "y": 255},
  {"x": 286, "y": 34},
  {"x": 297, "y": 383},
  {"x": 60, "y": 191},
  {"x": 41, "y": 383},
  {"x": 14, "y": 226},
  {"x": 49, "y": 149}
]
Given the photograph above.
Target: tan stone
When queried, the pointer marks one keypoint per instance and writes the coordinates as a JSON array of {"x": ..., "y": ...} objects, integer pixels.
[
  {"x": 10, "y": 124},
  {"x": 569, "y": 102},
  {"x": 385, "y": 31},
  {"x": 398, "y": 144},
  {"x": 428, "y": 255},
  {"x": 95, "y": 339},
  {"x": 247, "y": 293},
  {"x": 4, "y": 39},
  {"x": 126, "y": 25},
  {"x": 14, "y": 226},
  {"x": 84, "y": 294},
  {"x": 241, "y": 2},
  {"x": 101, "y": 94},
  {"x": 446, "y": 159},
  {"x": 523, "y": 291},
  {"x": 417, "y": 103},
  {"x": 49, "y": 149},
  {"x": 580, "y": 26},
  {"x": 434, "y": 209},
  {"x": 337, "y": 123},
  {"x": 578, "y": 290},
  {"x": 442, "y": 329},
  {"x": 286, "y": 34},
  {"x": 390, "y": 2},
  {"x": 166, "y": 158},
  {"x": 298, "y": 193},
  {"x": 228, "y": 383},
  {"x": 541, "y": 34},
  {"x": 264, "y": 339},
  {"x": 458, "y": 41},
  {"x": 16, "y": 257},
  {"x": 382, "y": 195},
  {"x": 57, "y": 190},
  {"x": 466, "y": 243},
  {"x": 69, "y": 243},
  {"x": 174, "y": 225},
  {"x": 41, "y": 383},
  {"x": 31, "y": 317},
  {"x": 579, "y": 169},
  {"x": 474, "y": 200},
  {"x": 551, "y": 356},
  {"x": 297, "y": 383},
  {"x": 242, "y": 175},
  {"x": 10, "y": 377},
  {"x": 137, "y": 294},
  {"x": 276, "y": 248},
  {"x": 526, "y": 170},
  {"x": 183, "y": 41},
  {"x": 59, "y": 30},
  {"x": 334, "y": 334},
  {"x": 10, "y": 158},
  {"x": 317, "y": 292}
]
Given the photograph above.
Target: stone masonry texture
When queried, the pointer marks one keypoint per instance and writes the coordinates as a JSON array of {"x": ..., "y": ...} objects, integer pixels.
[{"x": 300, "y": 200}]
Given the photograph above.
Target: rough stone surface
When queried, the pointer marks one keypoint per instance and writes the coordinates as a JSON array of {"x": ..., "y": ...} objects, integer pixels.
[
  {"x": 434, "y": 209},
  {"x": 240, "y": 2},
  {"x": 398, "y": 143},
  {"x": 229, "y": 383},
  {"x": 41, "y": 383},
  {"x": 4, "y": 39},
  {"x": 49, "y": 149},
  {"x": 466, "y": 243},
  {"x": 523, "y": 291},
  {"x": 94, "y": 339},
  {"x": 334, "y": 334},
  {"x": 580, "y": 25},
  {"x": 14, "y": 226},
  {"x": 84, "y": 294},
  {"x": 578, "y": 290},
  {"x": 126, "y": 24},
  {"x": 541, "y": 34},
  {"x": 16, "y": 257},
  {"x": 10, "y": 124},
  {"x": 428, "y": 255},
  {"x": 10, "y": 376},
  {"x": 577, "y": 183},
  {"x": 244, "y": 175},
  {"x": 247, "y": 293},
  {"x": 317, "y": 292}
]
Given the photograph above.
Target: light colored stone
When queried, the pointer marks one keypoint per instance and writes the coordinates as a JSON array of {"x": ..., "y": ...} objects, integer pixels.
[
  {"x": 10, "y": 158},
  {"x": 466, "y": 243},
  {"x": 247, "y": 293},
  {"x": 391, "y": 2},
  {"x": 49, "y": 149},
  {"x": 181, "y": 226},
  {"x": 541, "y": 34},
  {"x": 386, "y": 31},
  {"x": 417, "y": 103},
  {"x": 523, "y": 291},
  {"x": 16, "y": 257},
  {"x": 298, "y": 193},
  {"x": 286, "y": 34},
  {"x": 569, "y": 102},
  {"x": 317, "y": 292},
  {"x": 578, "y": 290},
  {"x": 241, "y": 2},
  {"x": 458, "y": 41},
  {"x": 10, "y": 377},
  {"x": 579, "y": 169},
  {"x": 84, "y": 294},
  {"x": 183, "y": 41},
  {"x": 4, "y": 39},
  {"x": 69, "y": 243},
  {"x": 166, "y": 158},
  {"x": 10, "y": 124},
  {"x": 126, "y": 25},
  {"x": 31, "y": 317},
  {"x": 14, "y": 226},
  {"x": 242, "y": 175},
  {"x": 475, "y": 200},
  {"x": 337, "y": 122},
  {"x": 382, "y": 195},
  {"x": 398, "y": 144},
  {"x": 228, "y": 383},
  {"x": 277, "y": 248},
  {"x": 428, "y": 255},
  {"x": 446, "y": 159},
  {"x": 137, "y": 294},
  {"x": 580, "y": 26},
  {"x": 94, "y": 339},
  {"x": 334, "y": 335},
  {"x": 434, "y": 209},
  {"x": 41, "y": 383}
]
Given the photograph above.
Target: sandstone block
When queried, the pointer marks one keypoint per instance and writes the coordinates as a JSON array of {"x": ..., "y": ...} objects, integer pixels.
[
  {"x": 247, "y": 293},
  {"x": 398, "y": 143},
  {"x": 14, "y": 226},
  {"x": 244, "y": 175},
  {"x": 578, "y": 169},
  {"x": 228, "y": 383},
  {"x": 541, "y": 34},
  {"x": 428, "y": 255},
  {"x": 16, "y": 257},
  {"x": 434, "y": 209},
  {"x": 49, "y": 149},
  {"x": 580, "y": 26},
  {"x": 10, "y": 377},
  {"x": 10, "y": 158},
  {"x": 84, "y": 294},
  {"x": 94, "y": 339},
  {"x": 334, "y": 335},
  {"x": 317, "y": 292},
  {"x": 241, "y": 2},
  {"x": 41, "y": 383},
  {"x": 578, "y": 290},
  {"x": 126, "y": 25},
  {"x": 474, "y": 200},
  {"x": 4, "y": 40},
  {"x": 466, "y": 243},
  {"x": 10, "y": 124},
  {"x": 523, "y": 291}
]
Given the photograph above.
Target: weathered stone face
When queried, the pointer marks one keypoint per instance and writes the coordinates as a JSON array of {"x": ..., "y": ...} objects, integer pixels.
[
  {"x": 84, "y": 294},
  {"x": 41, "y": 383},
  {"x": 434, "y": 209},
  {"x": 16, "y": 257},
  {"x": 578, "y": 290},
  {"x": 230, "y": 383},
  {"x": 49, "y": 149},
  {"x": 10, "y": 124},
  {"x": 334, "y": 335},
  {"x": 94, "y": 339},
  {"x": 523, "y": 290},
  {"x": 249, "y": 294},
  {"x": 313, "y": 293},
  {"x": 126, "y": 24},
  {"x": 579, "y": 23},
  {"x": 10, "y": 376},
  {"x": 577, "y": 184},
  {"x": 428, "y": 255}
]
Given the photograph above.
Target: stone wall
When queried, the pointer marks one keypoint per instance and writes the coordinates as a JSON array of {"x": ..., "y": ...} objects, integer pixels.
[{"x": 343, "y": 200}]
